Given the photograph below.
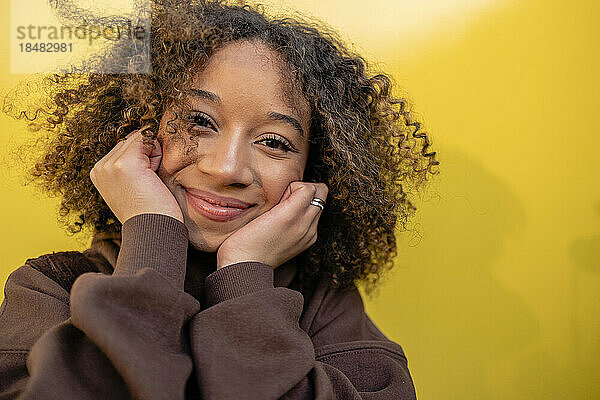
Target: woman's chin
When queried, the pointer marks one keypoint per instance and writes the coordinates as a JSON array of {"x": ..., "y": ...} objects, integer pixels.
[
  {"x": 203, "y": 238},
  {"x": 204, "y": 246}
]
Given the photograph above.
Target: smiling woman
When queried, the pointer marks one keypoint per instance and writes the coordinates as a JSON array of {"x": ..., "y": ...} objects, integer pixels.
[
  {"x": 238, "y": 195},
  {"x": 242, "y": 146}
]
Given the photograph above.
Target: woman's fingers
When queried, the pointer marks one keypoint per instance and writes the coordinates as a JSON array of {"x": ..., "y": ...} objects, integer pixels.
[
  {"x": 286, "y": 194},
  {"x": 127, "y": 181},
  {"x": 321, "y": 192},
  {"x": 281, "y": 233},
  {"x": 306, "y": 191},
  {"x": 148, "y": 155},
  {"x": 311, "y": 234},
  {"x": 118, "y": 149},
  {"x": 309, "y": 213}
]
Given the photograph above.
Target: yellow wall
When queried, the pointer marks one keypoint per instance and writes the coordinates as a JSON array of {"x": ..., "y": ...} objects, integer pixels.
[{"x": 493, "y": 296}]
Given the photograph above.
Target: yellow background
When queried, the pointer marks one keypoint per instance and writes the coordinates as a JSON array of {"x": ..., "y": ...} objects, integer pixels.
[{"x": 495, "y": 296}]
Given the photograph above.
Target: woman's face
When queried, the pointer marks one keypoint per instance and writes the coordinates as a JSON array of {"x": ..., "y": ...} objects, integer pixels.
[{"x": 238, "y": 145}]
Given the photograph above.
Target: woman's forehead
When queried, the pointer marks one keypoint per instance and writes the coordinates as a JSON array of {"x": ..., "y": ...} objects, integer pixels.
[{"x": 251, "y": 68}]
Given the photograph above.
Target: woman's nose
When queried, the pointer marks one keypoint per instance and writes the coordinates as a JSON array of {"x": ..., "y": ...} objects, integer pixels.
[{"x": 227, "y": 160}]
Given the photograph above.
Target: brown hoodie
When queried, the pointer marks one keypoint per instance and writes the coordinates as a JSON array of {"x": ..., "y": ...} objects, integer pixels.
[{"x": 152, "y": 318}]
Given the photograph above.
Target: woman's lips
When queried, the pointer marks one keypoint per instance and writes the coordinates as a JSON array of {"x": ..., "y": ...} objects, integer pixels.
[
  {"x": 217, "y": 200},
  {"x": 213, "y": 211}
]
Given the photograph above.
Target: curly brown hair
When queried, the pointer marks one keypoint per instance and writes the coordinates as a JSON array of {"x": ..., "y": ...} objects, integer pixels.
[{"x": 365, "y": 144}]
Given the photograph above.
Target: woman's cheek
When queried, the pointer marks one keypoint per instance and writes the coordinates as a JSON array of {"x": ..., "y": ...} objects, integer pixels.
[
  {"x": 281, "y": 184},
  {"x": 176, "y": 153}
]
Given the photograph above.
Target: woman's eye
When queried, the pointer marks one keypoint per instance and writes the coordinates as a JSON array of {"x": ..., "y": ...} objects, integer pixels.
[
  {"x": 271, "y": 141},
  {"x": 201, "y": 120},
  {"x": 274, "y": 142}
]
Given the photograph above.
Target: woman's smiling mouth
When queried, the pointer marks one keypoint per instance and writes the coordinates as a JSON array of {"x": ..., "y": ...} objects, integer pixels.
[{"x": 215, "y": 207}]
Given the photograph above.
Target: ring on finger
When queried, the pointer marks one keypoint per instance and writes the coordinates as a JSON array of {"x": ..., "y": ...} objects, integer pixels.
[{"x": 318, "y": 202}]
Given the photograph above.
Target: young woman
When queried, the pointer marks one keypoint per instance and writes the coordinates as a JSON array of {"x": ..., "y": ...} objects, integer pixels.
[{"x": 237, "y": 195}]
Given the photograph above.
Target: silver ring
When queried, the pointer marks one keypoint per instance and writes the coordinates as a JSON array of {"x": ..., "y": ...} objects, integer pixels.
[{"x": 318, "y": 202}]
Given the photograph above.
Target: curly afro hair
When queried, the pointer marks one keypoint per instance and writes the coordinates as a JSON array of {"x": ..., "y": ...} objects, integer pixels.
[{"x": 365, "y": 144}]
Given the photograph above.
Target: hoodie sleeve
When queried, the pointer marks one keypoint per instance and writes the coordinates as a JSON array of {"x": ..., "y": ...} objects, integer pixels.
[
  {"x": 116, "y": 336},
  {"x": 248, "y": 343}
]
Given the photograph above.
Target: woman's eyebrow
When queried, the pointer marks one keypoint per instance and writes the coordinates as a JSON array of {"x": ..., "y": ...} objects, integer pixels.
[
  {"x": 275, "y": 116},
  {"x": 210, "y": 96}
]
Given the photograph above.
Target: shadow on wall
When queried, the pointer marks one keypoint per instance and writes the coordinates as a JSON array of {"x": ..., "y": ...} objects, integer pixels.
[
  {"x": 456, "y": 316},
  {"x": 535, "y": 372},
  {"x": 585, "y": 253}
]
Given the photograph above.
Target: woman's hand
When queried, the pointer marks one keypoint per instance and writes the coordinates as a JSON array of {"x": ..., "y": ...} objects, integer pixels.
[
  {"x": 283, "y": 232},
  {"x": 126, "y": 179}
]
